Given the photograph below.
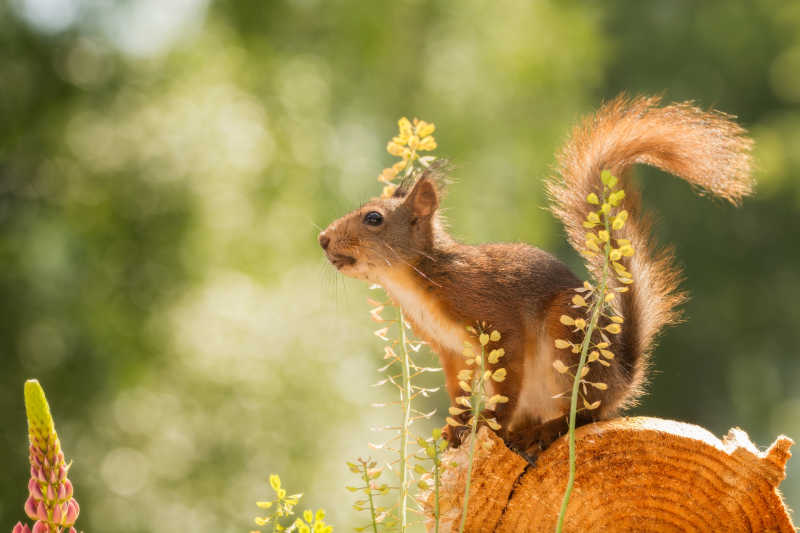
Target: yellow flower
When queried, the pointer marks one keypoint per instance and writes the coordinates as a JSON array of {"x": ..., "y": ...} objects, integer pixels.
[
  {"x": 396, "y": 149},
  {"x": 387, "y": 175},
  {"x": 425, "y": 128},
  {"x": 405, "y": 127},
  {"x": 561, "y": 344},
  {"x": 499, "y": 374},
  {"x": 427, "y": 144},
  {"x": 388, "y": 190},
  {"x": 560, "y": 367}
]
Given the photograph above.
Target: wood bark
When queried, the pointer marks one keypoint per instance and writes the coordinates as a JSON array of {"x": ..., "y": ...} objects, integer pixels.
[{"x": 633, "y": 474}]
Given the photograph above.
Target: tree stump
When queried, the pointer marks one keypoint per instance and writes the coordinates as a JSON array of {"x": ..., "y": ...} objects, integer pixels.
[{"x": 633, "y": 474}]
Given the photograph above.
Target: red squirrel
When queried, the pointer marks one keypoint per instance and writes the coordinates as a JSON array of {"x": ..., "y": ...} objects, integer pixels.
[{"x": 442, "y": 285}]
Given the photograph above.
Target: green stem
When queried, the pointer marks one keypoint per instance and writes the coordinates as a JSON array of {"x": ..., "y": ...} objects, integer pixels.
[
  {"x": 371, "y": 501},
  {"x": 573, "y": 409},
  {"x": 477, "y": 389},
  {"x": 436, "y": 466},
  {"x": 405, "y": 401}
]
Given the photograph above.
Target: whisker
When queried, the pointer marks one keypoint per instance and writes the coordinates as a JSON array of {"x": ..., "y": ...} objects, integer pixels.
[{"x": 421, "y": 273}]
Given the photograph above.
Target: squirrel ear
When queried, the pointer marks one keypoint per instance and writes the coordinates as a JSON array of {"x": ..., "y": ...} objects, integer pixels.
[{"x": 423, "y": 199}]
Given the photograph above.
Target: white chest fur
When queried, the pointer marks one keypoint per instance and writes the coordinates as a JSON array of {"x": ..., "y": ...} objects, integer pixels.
[{"x": 426, "y": 314}]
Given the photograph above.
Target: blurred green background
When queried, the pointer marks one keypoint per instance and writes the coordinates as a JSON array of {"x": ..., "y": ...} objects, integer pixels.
[{"x": 164, "y": 166}]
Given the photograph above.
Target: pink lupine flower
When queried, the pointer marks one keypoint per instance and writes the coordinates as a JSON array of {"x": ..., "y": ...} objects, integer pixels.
[{"x": 50, "y": 502}]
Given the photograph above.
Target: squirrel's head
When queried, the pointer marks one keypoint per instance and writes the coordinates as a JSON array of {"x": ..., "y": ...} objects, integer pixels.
[{"x": 385, "y": 233}]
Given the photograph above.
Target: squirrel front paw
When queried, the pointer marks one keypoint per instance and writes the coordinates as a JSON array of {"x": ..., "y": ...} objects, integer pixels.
[{"x": 455, "y": 434}]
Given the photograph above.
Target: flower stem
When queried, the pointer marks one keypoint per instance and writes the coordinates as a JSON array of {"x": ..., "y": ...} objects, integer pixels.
[
  {"x": 477, "y": 396},
  {"x": 436, "y": 474},
  {"x": 371, "y": 500},
  {"x": 405, "y": 402},
  {"x": 573, "y": 409}
]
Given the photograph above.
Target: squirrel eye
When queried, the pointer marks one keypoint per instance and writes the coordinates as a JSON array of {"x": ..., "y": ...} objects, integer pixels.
[{"x": 373, "y": 218}]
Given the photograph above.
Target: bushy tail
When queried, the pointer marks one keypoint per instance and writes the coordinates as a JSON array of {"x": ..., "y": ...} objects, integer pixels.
[{"x": 705, "y": 148}]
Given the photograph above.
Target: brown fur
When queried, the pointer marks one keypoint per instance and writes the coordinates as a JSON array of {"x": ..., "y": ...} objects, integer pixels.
[{"x": 443, "y": 285}]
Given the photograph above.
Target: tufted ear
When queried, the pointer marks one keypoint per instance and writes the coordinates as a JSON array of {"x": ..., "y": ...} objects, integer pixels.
[{"x": 423, "y": 199}]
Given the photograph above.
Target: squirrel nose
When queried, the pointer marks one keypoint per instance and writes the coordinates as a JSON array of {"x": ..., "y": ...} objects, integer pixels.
[{"x": 324, "y": 241}]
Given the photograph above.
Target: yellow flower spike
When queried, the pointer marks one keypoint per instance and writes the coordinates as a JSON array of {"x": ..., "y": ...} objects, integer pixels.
[
  {"x": 594, "y": 355},
  {"x": 498, "y": 398},
  {"x": 561, "y": 344},
  {"x": 566, "y": 320},
  {"x": 455, "y": 411},
  {"x": 592, "y": 217},
  {"x": 580, "y": 323},
  {"x": 494, "y": 336},
  {"x": 603, "y": 235},
  {"x": 608, "y": 179},
  {"x": 602, "y": 345},
  {"x": 621, "y": 289},
  {"x": 465, "y": 374},
  {"x": 626, "y": 250},
  {"x": 584, "y": 371},
  {"x": 400, "y": 165},
  {"x": 387, "y": 175},
  {"x": 579, "y": 300},
  {"x": 404, "y": 125},
  {"x": 467, "y": 351},
  {"x": 591, "y": 406},
  {"x": 560, "y": 367},
  {"x": 607, "y": 354},
  {"x": 599, "y": 386},
  {"x": 605, "y": 209},
  {"x": 413, "y": 142},
  {"x": 589, "y": 225},
  {"x": 425, "y": 128},
  {"x": 275, "y": 482},
  {"x": 576, "y": 348},
  {"x": 613, "y": 328},
  {"x": 492, "y": 423},
  {"x": 484, "y": 339},
  {"x": 452, "y": 422},
  {"x": 610, "y": 296},
  {"x": 465, "y": 386},
  {"x": 388, "y": 191},
  {"x": 463, "y": 400},
  {"x": 427, "y": 144},
  {"x": 615, "y": 255},
  {"x": 617, "y": 319},
  {"x": 499, "y": 375},
  {"x": 591, "y": 244},
  {"x": 592, "y": 198},
  {"x": 395, "y": 149},
  {"x": 495, "y": 355},
  {"x": 308, "y": 516}
]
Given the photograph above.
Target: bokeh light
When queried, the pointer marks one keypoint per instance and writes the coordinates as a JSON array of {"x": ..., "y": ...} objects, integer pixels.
[{"x": 165, "y": 168}]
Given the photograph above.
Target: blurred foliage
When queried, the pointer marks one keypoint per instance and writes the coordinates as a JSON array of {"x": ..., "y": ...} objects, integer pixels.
[{"x": 164, "y": 167}]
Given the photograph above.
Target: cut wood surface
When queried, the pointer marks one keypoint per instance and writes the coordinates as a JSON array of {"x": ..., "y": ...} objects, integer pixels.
[{"x": 633, "y": 474}]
